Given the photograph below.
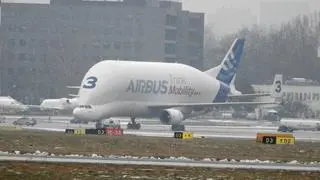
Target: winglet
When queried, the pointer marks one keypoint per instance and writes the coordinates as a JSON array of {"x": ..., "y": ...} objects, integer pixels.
[{"x": 277, "y": 88}]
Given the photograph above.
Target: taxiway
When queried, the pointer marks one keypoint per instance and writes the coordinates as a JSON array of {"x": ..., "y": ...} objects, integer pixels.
[{"x": 201, "y": 128}]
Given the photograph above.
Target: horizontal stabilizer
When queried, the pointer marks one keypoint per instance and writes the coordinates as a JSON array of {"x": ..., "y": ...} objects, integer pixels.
[
  {"x": 249, "y": 95},
  {"x": 276, "y": 91},
  {"x": 73, "y": 95},
  {"x": 73, "y": 87},
  {"x": 43, "y": 108}
]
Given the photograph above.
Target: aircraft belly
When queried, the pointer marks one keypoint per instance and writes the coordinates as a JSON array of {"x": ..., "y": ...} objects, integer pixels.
[{"x": 126, "y": 109}]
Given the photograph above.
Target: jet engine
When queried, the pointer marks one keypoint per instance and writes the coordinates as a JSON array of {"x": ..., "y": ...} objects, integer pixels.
[{"x": 171, "y": 116}]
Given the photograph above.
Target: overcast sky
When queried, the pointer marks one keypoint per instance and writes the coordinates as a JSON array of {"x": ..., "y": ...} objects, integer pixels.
[
  {"x": 227, "y": 16},
  {"x": 211, "y": 6}
]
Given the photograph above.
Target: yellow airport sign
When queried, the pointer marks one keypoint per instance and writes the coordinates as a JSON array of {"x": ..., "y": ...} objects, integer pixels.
[
  {"x": 79, "y": 131},
  {"x": 187, "y": 135},
  {"x": 259, "y": 136},
  {"x": 183, "y": 135},
  {"x": 285, "y": 140}
]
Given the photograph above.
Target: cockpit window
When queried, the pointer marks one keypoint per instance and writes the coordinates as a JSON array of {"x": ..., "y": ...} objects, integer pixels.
[{"x": 85, "y": 106}]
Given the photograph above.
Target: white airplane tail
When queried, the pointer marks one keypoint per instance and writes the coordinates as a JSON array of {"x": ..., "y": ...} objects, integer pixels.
[{"x": 276, "y": 91}]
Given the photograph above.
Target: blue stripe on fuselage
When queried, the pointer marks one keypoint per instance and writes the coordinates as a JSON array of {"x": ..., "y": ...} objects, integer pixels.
[{"x": 222, "y": 93}]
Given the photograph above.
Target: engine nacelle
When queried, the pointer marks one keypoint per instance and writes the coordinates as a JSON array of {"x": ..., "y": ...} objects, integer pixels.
[{"x": 171, "y": 116}]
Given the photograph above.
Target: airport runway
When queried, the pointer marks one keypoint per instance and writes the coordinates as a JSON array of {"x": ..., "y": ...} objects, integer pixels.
[
  {"x": 204, "y": 122},
  {"x": 160, "y": 162},
  {"x": 205, "y": 128}
]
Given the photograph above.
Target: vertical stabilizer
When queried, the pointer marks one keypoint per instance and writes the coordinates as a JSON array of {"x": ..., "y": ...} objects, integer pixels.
[
  {"x": 228, "y": 67},
  {"x": 276, "y": 91}
]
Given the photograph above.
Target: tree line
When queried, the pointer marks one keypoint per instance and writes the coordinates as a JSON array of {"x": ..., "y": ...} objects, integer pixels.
[{"x": 290, "y": 49}]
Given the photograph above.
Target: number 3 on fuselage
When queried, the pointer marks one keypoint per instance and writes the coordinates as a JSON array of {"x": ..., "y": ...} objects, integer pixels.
[{"x": 90, "y": 82}]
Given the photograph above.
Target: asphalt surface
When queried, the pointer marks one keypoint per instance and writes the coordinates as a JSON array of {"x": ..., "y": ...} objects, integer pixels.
[
  {"x": 152, "y": 127},
  {"x": 202, "y": 127}
]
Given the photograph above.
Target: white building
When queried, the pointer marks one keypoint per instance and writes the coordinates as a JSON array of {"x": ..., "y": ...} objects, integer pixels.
[{"x": 296, "y": 89}]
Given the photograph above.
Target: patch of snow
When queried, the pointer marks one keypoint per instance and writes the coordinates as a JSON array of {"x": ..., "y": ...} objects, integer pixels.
[{"x": 17, "y": 152}]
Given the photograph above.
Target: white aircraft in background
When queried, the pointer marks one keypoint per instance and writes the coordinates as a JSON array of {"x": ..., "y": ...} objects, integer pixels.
[
  {"x": 7, "y": 103},
  {"x": 61, "y": 104},
  {"x": 171, "y": 91}
]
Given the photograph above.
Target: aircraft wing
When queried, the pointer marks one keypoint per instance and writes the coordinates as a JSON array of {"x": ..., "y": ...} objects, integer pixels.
[
  {"x": 249, "y": 95},
  {"x": 170, "y": 105},
  {"x": 73, "y": 95},
  {"x": 45, "y": 108}
]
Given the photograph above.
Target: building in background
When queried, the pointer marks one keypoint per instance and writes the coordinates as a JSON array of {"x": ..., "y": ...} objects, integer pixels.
[
  {"x": 295, "y": 89},
  {"x": 48, "y": 45}
]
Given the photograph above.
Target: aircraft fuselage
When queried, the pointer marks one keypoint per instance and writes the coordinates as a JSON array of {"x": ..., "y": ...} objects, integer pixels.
[{"x": 126, "y": 88}]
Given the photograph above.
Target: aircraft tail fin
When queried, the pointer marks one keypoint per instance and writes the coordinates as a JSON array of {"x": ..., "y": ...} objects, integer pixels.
[
  {"x": 276, "y": 91},
  {"x": 230, "y": 63}
]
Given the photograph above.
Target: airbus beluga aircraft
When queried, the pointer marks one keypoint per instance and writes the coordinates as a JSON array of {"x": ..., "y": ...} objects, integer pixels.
[{"x": 172, "y": 92}]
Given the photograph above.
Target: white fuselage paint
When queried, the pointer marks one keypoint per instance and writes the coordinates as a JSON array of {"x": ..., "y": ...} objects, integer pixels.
[
  {"x": 119, "y": 89},
  {"x": 62, "y": 103}
]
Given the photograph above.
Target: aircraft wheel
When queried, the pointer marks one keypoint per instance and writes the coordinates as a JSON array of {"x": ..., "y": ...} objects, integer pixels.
[
  {"x": 133, "y": 126},
  {"x": 99, "y": 124}
]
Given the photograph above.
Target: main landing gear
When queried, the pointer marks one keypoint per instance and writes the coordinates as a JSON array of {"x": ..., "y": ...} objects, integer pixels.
[
  {"x": 99, "y": 124},
  {"x": 133, "y": 124},
  {"x": 177, "y": 127}
]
